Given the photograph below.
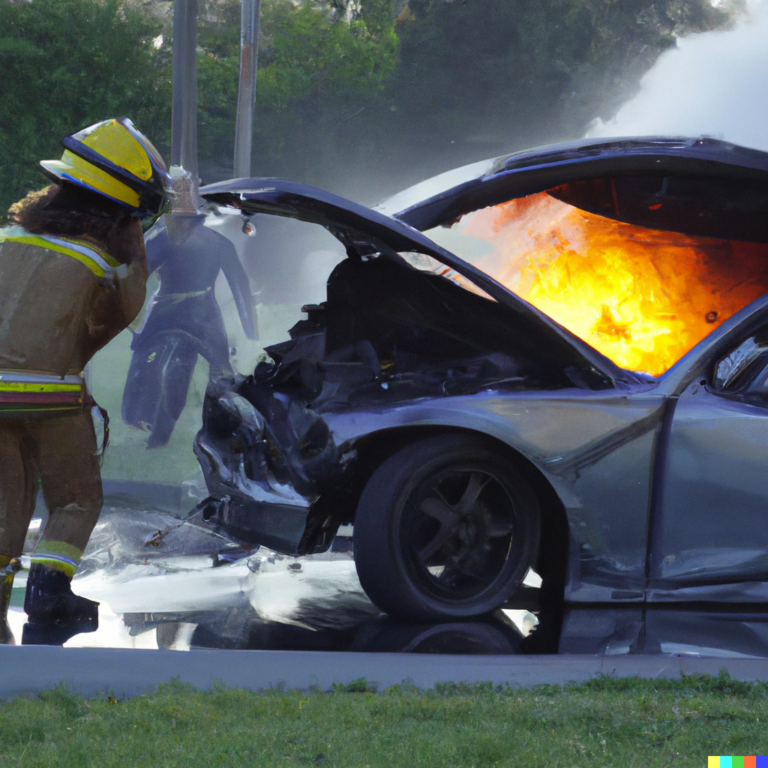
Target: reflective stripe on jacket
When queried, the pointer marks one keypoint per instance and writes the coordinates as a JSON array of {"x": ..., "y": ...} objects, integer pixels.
[
  {"x": 24, "y": 394},
  {"x": 100, "y": 263}
]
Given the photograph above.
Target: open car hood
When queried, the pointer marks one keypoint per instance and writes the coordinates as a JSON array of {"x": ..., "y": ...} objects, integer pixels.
[
  {"x": 364, "y": 231},
  {"x": 719, "y": 189}
]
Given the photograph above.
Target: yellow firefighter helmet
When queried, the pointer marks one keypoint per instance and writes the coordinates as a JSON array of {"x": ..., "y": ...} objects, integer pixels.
[{"x": 115, "y": 160}]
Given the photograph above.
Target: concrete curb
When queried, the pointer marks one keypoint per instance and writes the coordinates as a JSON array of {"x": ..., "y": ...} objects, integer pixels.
[{"x": 125, "y": 673}]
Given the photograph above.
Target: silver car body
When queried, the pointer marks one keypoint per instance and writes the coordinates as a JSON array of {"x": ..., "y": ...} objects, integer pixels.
[{"x": 662, "y": 482}]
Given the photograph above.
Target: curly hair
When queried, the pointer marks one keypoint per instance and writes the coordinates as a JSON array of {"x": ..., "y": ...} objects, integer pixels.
[{"x": 68, "y": 211}]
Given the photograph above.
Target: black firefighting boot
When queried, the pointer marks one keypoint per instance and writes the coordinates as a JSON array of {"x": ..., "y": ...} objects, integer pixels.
[
  {"x": 54, "y": 612},
  {"x": 7, "y": 572}
]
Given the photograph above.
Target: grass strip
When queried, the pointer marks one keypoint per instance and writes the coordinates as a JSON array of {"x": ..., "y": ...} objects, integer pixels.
[{"x": 623, "y": 722}]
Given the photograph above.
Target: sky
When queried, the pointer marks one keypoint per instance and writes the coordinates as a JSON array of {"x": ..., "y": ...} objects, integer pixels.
[{"x": 713, "y": 84}]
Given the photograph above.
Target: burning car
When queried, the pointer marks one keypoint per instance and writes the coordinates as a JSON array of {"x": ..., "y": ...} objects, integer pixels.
[{"x": 584, "y": 394}]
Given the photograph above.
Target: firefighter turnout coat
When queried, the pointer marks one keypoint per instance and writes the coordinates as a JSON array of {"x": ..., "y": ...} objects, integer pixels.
[{"x": 61, "y": 300}]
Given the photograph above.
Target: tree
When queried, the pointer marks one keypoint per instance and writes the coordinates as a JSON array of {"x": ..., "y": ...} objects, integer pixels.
[
  {"x": 477, "y": 78},
  {"x": 362, "y": 96},
  {"x": 313, "y": 66},
  {"x": 67, "y": 64}
]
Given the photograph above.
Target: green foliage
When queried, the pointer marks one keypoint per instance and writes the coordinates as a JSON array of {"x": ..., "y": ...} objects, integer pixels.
[
  {"x": 311, "y": 54},
  {"x": 547, "y": 68},
  {"x": 218, "y": 27},
  {"x": 217, "y": 105},
  {"x": 313, "y": 66},
  {"x": 472, "y": 79},
  {"x": 359, "y": 685},
  {"x": 359, "y": 103},
  {"x": 67, "y": 64}
]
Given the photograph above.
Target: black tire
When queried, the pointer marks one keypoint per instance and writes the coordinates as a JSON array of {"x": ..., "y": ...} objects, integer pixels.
[{"x": 446, "y": 528}]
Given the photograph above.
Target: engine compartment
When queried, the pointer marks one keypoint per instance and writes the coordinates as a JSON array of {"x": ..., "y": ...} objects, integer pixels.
[{"x": 387, "y": 333}]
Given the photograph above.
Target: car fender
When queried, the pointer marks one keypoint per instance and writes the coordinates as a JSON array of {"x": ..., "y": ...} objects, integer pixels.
[{"x": 594, "y": 449}]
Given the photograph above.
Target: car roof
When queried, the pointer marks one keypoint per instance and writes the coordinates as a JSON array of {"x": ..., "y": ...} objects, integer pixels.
[{"x": 530, "y": 171}]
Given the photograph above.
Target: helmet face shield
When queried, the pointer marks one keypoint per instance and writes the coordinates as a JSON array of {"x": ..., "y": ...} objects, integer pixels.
[{"x": 115, "y": 148}]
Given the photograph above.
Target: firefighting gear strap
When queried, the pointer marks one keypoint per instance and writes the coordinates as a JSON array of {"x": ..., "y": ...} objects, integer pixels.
[
  {"x": 177, "y": 298},
  {"x": 100, "y": 263},
  {"x": 22, "y": 393},
  {"x": 58, "y": 556}
]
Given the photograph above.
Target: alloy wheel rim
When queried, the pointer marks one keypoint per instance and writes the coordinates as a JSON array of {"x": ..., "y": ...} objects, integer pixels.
[{"x": 459, "y": 533}]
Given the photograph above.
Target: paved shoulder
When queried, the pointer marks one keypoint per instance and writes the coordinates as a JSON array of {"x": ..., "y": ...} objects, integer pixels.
[{"x": 124, "y": 673}]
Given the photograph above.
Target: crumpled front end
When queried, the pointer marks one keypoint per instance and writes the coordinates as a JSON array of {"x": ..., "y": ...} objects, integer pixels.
[
  {"x": 264, "y": 468},
  {"x": 388, "y": 335}
]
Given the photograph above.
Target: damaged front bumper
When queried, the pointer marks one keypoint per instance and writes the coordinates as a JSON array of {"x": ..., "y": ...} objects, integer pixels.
[{"x": 264, "y": 474}]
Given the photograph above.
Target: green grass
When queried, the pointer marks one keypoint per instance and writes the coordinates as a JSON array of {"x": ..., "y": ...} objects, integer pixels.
[{"x": 607, "y": 722}]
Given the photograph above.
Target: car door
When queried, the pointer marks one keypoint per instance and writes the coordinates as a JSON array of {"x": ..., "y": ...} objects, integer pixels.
[{"x": 710, "y": 533}]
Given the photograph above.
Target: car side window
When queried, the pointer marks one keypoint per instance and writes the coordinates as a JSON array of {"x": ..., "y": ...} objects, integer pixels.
[
  {"x": 758, "y": 388},
  {"x": 743, "y": 373}
]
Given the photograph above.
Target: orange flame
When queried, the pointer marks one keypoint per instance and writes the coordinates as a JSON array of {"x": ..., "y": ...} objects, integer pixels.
[{"x": 641, "y": 297}]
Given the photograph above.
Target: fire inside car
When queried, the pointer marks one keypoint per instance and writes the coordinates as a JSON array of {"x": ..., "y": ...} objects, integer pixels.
[{"x": 641, "y": 296}]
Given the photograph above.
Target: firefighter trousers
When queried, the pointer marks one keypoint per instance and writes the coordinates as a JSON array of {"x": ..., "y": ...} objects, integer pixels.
[{"x": 57, "y": 454}]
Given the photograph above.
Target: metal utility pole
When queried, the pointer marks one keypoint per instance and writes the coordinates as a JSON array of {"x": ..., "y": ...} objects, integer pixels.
[
  {"x": 250, "y": 12},
  {"x": 184, "y": 105}
]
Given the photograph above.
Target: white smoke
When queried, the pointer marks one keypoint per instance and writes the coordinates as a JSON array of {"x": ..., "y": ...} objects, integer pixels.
[{"x": 713, "y": 84}]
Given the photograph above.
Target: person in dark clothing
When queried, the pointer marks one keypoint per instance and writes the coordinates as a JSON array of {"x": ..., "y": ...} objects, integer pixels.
[{"x": 184, "y": 319}]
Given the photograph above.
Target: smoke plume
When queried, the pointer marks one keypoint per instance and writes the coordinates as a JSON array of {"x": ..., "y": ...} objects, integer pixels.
[{"x": 713, "y": 84}]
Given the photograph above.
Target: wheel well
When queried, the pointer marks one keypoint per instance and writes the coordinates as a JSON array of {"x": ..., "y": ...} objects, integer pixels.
[
  {"x": 376, "y": 448},
  {"x": 552, "y": 560}
]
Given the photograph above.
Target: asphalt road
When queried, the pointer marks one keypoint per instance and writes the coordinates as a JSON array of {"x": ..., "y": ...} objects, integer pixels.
[{"x": 125, "y": 673}]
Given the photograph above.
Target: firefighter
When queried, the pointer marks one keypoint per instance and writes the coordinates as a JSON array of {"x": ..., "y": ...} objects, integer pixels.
[{"x": 73, "y": 274}]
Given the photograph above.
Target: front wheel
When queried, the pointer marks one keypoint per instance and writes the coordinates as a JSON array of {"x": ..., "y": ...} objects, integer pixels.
[{"x": 446, "y": 528}]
